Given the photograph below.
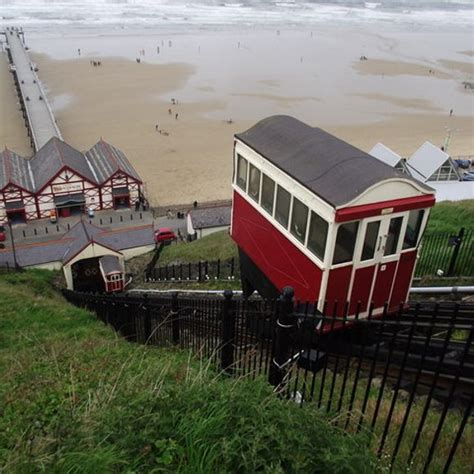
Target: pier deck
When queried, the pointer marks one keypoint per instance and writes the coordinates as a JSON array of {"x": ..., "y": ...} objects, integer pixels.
[{"x": 37, "y": 112}]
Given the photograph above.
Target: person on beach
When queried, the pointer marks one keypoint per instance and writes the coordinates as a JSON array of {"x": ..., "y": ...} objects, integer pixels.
[
  {"x": 451, "y": 113},
  {"x": 169, "y": 112},
  {"x": 176, "y": 117},
  {"x": 78, "y": 51},
  {"x": 157, "y": 128}
]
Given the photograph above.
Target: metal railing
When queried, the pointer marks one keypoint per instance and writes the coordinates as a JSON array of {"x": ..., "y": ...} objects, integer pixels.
[
  {"x": 446, "y": 254},
  {"x": 196, "y": 271},
  {"x": 407, "y": 379}
]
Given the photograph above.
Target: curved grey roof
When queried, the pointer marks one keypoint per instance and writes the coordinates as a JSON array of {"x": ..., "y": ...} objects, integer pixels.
[{"x": 331, "y": 168}]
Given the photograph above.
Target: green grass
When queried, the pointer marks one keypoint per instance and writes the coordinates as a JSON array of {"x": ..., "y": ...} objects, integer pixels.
[
  {"x": 212, "y": 247},
  {"x": 75, "y": 397},
  {"x": 451, "y": 216}
]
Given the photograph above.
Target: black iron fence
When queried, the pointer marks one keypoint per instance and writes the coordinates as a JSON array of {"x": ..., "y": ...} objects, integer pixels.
[
  {"x": 196, "y": 271},
  {"x": 446, "y": 254},
  {"x": 407, "y": 379}
]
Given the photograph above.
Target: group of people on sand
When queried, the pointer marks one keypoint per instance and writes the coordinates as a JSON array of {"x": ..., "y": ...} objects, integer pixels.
[
  {"x": 95, "y": 63},
  {"x": 170, "y": 112}
]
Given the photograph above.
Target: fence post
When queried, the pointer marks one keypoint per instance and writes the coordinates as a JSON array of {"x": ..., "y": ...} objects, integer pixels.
[
  {"x": 285, "y": 324},
  {"x": 228, "y": 332},
  {"x": 146, "y": 320},
  {"x": 457, "y": 245},
  {"x": 175, "y": 318}
]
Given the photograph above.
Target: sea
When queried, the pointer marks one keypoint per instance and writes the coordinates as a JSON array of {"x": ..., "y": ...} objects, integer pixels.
[{"x": 217, "y": 14}]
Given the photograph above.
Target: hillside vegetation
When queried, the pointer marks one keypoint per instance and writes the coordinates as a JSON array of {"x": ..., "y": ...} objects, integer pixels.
[
  {"x": 75, "y": 397},
  {"x": 212, "y": 247},
  {"x": 451, "y": 216}
]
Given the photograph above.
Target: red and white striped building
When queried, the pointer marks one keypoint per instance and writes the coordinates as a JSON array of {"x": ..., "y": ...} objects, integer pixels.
[{"x": 59, "y": 177}]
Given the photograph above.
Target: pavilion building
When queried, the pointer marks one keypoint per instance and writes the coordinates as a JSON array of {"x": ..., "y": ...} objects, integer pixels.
[{"x": 59, "y": 177}]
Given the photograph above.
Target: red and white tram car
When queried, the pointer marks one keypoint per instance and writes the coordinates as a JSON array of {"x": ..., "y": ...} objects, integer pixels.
[
  {"x": 112, "y": 273},
  {"x": 313, "y": 212}
]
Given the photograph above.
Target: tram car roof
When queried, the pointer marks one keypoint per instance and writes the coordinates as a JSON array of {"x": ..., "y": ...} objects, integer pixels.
[
  {"x": 110, "y": 264},
  {"x": 329, "y": 167}
]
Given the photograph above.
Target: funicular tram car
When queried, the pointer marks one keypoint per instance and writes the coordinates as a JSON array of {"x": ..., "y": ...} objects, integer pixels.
[
  {"x": 314, "y": 212},
  {"x": 112, "y": 273}
]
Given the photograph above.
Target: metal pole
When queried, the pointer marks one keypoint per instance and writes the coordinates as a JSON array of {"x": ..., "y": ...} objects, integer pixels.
[{"x": 13, "y": 245}]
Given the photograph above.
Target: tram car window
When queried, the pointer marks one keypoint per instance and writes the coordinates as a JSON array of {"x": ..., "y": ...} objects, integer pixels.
[
  {"x": 268, "y": 193},
  {"x": 282, "y": 211},
  {"x": 313, "y": 212}
]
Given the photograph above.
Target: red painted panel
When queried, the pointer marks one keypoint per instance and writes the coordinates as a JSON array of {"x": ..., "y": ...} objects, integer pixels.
[
  {"x": 375, "y": 209},
  {"x": 383, "y": 283},
  {"x": 361, "y": 288},
  {"x": 281, "y": 261},
  {"x": 338, "y": 289},
  {"x": 403, "y": 279}
]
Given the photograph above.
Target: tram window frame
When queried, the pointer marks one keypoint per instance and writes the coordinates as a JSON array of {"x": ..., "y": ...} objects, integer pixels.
[
  {"x": 411, "y": 241},
  {"x": 369, "y": 246},
  {"x": 315, "y": 224},
  {"x": 263, "y": 201},
  {"x": 286, "y": 219},
  {"x": 344, "y": 252},
  {"x": 393, "y": 236},
  {"x": 299, "y": 206},
  {"x": 242, "y": 182},
  {"x": 254, "y": 196}
]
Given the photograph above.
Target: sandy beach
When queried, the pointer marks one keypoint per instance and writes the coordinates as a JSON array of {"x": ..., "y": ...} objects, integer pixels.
[{"x": 395, "y": 101}]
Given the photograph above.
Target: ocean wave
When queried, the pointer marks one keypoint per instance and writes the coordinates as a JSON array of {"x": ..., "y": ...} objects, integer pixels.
[{"x": 212, "y": 13}]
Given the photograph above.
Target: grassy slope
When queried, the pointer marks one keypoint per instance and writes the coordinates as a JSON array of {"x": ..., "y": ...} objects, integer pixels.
[
  {"x": 74, "y": 397},
  {"x": 451, "y": 216},
  {"x": 215, "y": 246}
]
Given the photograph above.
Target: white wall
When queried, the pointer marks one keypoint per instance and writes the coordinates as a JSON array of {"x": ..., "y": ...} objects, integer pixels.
[{"x": 211, "y": 230}]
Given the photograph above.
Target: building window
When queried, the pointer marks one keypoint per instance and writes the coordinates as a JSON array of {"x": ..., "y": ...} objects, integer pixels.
[
  {"x": 345, "y": 242},
  {"x": 268, "y": 193},
  {"x": 370, "y": 241},
  {"x": 393, "y": 235},
  {"x": 242, "y": 172},
  {"x": 318, "y": 231},
  {"x": 415, "y": 219},
  {"x": 446, "y": 172},
  {"x": 254, "y": 183},
  {"x": 299, "y": 220},
  {"x": 282, "y": 210}
]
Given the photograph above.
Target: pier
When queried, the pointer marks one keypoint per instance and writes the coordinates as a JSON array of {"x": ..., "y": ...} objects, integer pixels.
[{"x": 39, "y": 117}]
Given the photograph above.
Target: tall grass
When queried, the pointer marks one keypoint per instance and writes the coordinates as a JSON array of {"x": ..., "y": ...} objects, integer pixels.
[
  {"x": 451, "y": 216},
  {"x": 212, "y": 247},
  {"x": 74, "y": 397}
]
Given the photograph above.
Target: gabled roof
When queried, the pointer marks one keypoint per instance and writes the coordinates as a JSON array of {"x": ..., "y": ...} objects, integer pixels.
[
  {"x": 80, "y": 235},
  {"x": 77, "y": 239},
  {"x": 54, "y": 156},
  {"x": 107, "y": 160},
  {"x": 16, "y": 170},
  {"x": 425, "y": 161},
  {"x": 331, "y": 168},
  {"x": 211, "y": 217},
  {"x": 385, "y": 155}
]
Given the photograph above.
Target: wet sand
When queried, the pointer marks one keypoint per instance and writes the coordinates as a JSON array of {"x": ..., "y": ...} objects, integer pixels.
[
  {"x": 12, "y": 126},
  {"x": 123, "y": 101},
  {"x": 396, "y": 68}
]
